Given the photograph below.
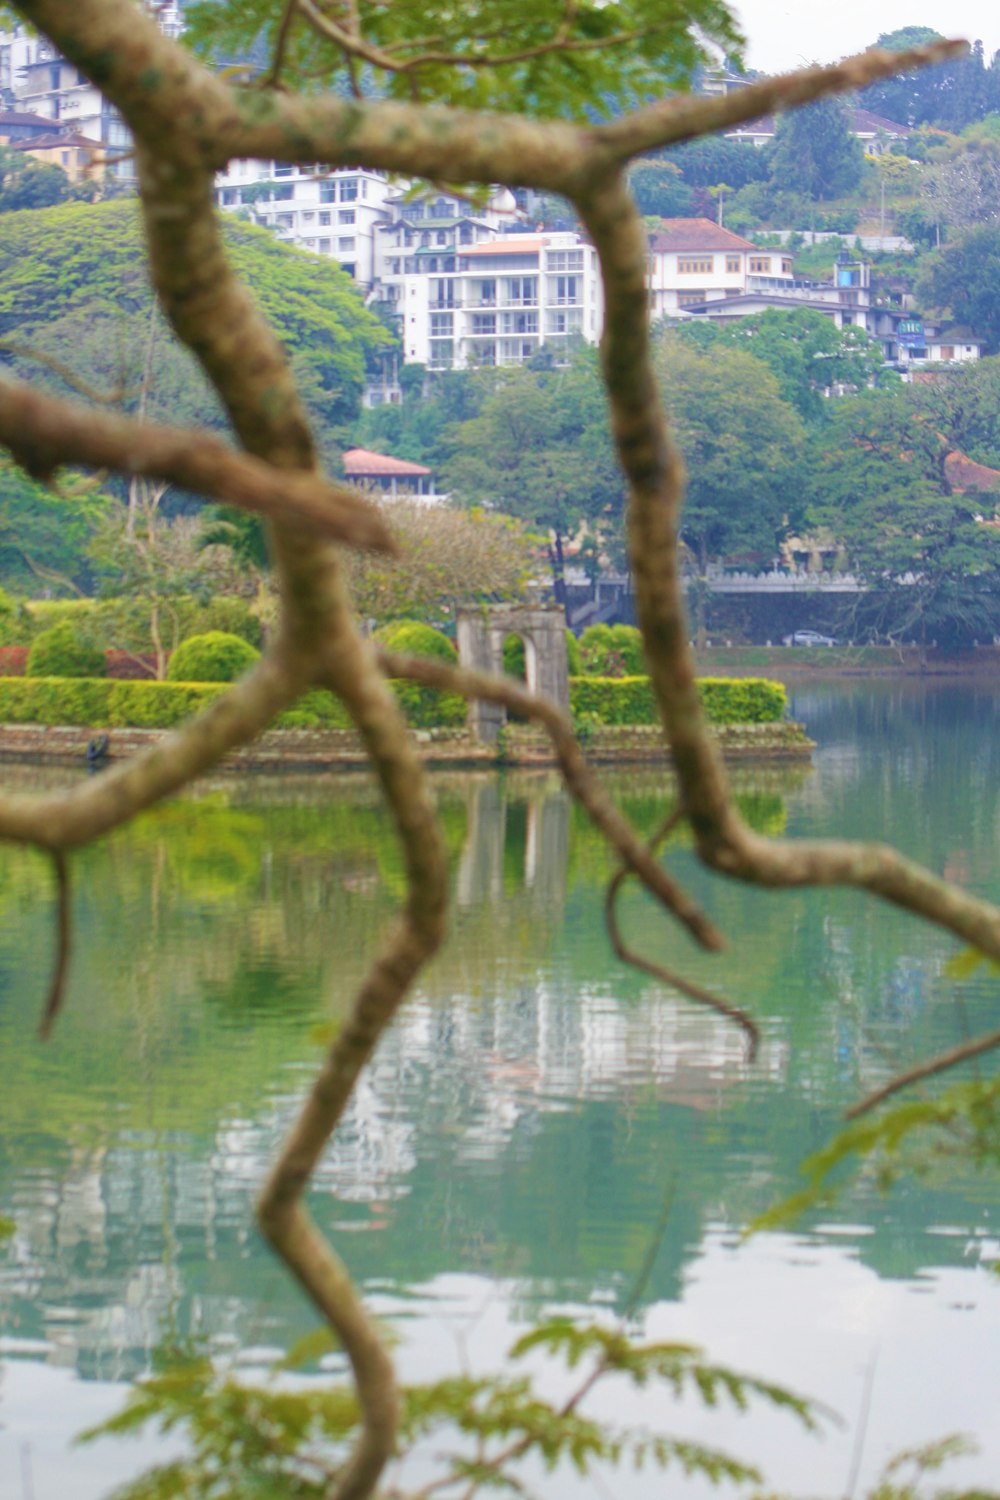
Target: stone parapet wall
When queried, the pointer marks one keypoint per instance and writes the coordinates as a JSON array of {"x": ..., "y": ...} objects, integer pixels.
[{"x": 330, "y": 749}]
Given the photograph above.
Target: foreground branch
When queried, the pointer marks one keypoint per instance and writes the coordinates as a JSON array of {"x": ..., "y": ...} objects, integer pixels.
[
  {"x": 942, "y": 1063},
  {"x": 577, "y": 774},
  {"x": 44, "y": 432}
]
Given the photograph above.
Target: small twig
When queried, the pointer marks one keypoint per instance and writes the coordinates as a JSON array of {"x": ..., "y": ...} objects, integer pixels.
[
  {"x": 64, "y": 937},
  {"x": 273, "y": 74},
  {"x": 352, "y": 44},
  {"x": 66, "y": 373},
  {"x": 657, "y": 971},
  {"x": 928, "y": 1069}
]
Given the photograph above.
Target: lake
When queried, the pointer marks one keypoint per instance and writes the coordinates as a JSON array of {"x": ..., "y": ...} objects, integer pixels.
[{"x": 535, "y": 1114}]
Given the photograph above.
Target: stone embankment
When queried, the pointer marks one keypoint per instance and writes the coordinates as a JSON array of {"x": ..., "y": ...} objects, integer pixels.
[{"x": 336, "y": 749}]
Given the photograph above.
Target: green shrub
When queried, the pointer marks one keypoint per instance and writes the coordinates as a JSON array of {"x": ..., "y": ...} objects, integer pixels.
[
  {"x": 316, "y": 709},
  {"x": 61, "y": 652},
  {"x": 612, "y": 651},
  {"x": 214, "y": 657},
  {"x": 629, "y": 700},
  {"x": 414, "y": 638},
  {"x": 426, "y": 708},
  {"x": 574, "y": 660},
  {"x": 101, "y": 703}
]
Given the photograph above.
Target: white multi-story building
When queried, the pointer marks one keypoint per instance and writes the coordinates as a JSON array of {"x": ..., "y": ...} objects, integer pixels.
[
  {"x": 331, "y": 213},
  {"x": 36, "y": 79},
  {"x": 693, "y": 262},
  {"x": 500, "y": 300}
]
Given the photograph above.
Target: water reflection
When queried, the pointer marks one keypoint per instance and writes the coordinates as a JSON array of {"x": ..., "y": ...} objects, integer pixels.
[{"x": 526, "y": 1118}]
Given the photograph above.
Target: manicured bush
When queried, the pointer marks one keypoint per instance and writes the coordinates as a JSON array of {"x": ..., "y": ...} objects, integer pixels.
[
  {"x": 612, "y": 651},
  {"x": 629, "y": 700},
  {"x": 101, "y": 702},
  {"x": 414, "y": 638},
  {"x": 61, "y": 652},
  {"x": 214, "y": 657},
  {"x": 107, "y": 703}
]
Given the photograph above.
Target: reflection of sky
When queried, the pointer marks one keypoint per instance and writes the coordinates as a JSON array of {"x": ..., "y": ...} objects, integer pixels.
[{"x": 808, "y": 1315}]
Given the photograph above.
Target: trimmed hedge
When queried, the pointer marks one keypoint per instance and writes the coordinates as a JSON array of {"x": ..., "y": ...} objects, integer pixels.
[
  {"x": 414, "y": 638},
  {"x": 612, "y": 651},
  {"x": 107, "y": 703},
  {"x": 629, "y": 700}
]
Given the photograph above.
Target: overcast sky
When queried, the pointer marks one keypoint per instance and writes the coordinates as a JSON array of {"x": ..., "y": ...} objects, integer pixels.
[{"x": 786, "y": 34}]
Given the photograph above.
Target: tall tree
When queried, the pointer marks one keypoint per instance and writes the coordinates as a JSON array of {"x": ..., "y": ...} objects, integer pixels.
[
  {"x": 814, "y": 152},
  {"x": 963, "y": 279}
]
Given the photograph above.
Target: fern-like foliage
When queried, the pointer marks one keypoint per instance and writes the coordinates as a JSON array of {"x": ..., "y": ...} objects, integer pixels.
[{"x": 266, "y": 1442}]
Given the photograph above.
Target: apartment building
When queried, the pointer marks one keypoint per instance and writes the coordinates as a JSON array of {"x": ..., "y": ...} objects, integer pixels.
[{"x": 37, "y": 80}]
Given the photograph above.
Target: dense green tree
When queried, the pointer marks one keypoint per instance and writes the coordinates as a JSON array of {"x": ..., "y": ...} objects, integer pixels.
[
  {"x": 658, "y": 188},
  {"x": 74, "y": 284},
  {"x": 804, "y": 350},
  {"x": 907, "y": 97},
  {"x": 878, "y": 482},
  {"x": 713, "y": 159},
  {"x": 742, "y": 444},
  {"x": 963, "y": 278},
  {"x": 814, "y": 152},
  {"x": 540, "y": 449},
  {"x": 44, "y": 533},
  {"x": 28, "y": 183}
]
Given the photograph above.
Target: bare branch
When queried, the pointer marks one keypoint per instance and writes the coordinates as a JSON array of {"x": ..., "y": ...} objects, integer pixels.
[
  {"x": 57, "y": 987},
  {"x": 933, "y": 1065},
  {"x": 686, "y": 116},
  {"x": 657, "y": 971},
  {"x": 67, "y": 819},
  {"x": 44, "y": 432},
  {"x": 65, "y": 372},
  {"x": 580, "y": 779}
]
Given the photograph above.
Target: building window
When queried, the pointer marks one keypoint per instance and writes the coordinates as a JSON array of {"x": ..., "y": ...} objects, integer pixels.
[
  {"x": 564, "y": 291},
  {"x": 324, "y": 220},
  {"x": 693, "y": 297},
  {"x": 523, "y": 291},
  {"x": 443, "y": 325},
  {"x": 487, "y": 294},
  {"x": 733, "y": 265},
  {"x": 328, "y": 192},
  {"x": 348, "y": 190},
  {"x": 689, "y": 265},
  {"x": 307, "y": 217},
  {"x": 346, "y": 245},
  {"x": 519, "y": 322},
  {"x": 483, "y": 323},
  {"x": 442, "y": 355},
  {"x": 565, "y": 260},
  {"x": 323, "y": 246},
  {"x": 346, "y": 216},
  {"x": 760, "y": 265},
  {"x": 947, "y": 351},
  {"x": 565, "y": 322},
  {"x": 786, "y": 267},
  {"x": 283, "y": 169}
]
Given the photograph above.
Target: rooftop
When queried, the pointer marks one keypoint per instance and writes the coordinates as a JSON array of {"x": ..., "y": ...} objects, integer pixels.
[
  {"x": 696, "y": 234},
  {"x": 360, "y": 463}
]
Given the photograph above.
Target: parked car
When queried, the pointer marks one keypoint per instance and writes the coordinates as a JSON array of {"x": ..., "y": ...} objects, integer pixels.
[{"x": 808, "y": 638}]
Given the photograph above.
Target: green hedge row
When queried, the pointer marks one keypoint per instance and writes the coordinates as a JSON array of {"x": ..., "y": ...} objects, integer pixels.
[
  {"x": 629, "y": 700},
  {"x": 109, "y": 703}
]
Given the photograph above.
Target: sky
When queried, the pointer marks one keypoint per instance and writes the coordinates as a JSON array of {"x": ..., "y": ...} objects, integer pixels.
[{"x": 786, "y": 34}]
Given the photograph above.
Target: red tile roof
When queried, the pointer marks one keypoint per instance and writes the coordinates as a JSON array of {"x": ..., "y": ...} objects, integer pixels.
[
  {"x": 963, "y": 474},
  {"x": 359, "y": 463},
  {"x": 695, "y": 234}
]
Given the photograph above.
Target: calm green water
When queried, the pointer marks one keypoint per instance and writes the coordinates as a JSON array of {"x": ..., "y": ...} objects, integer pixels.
[{"x": 513, "y": 1145}]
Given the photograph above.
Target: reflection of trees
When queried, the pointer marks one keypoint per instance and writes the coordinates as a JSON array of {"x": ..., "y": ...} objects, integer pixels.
[{"x": 527, "y": 1113}]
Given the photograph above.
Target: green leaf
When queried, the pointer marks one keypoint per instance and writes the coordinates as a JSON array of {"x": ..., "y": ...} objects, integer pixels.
[{"x": 308, "y": 1349}]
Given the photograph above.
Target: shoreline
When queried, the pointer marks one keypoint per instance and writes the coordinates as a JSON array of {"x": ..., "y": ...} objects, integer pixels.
[{"x": 305, "y": 750}]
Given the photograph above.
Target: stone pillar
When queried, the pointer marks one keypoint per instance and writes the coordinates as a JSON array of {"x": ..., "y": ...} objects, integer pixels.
[
  {"x": 485, "y": 720},
  {"x": 481, "y": 634}
]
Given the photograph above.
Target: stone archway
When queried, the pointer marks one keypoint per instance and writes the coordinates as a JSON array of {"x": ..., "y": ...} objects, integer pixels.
[{"x": 481, "y": 634}]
